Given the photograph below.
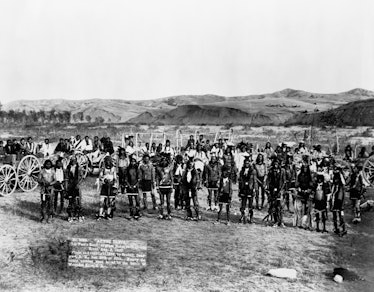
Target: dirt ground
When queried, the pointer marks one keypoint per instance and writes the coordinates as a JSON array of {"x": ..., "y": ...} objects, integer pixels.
[{"x": 182, "y": 256}]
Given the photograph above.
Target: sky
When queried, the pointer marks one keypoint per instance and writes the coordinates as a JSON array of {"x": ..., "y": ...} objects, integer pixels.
[{"x": 145, "y": 49}]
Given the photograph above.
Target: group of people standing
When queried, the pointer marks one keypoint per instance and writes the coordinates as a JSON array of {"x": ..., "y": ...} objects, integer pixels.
[
  {"x": 58, "y": 184},
  {"x": 307, "y": 183}
]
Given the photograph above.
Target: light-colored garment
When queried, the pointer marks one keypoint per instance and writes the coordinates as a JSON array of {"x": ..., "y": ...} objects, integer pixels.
[
  {"x": 201, "y": 156},
  {"x": 130, "y": 150},
  {"x": 191, "y": 153},
  {"x": 78, "y": 144},
  {"x": 240, "y": 158},
  {"x": 46, "y": 149},
  {"x": 169, "y": 150},
  {"x": 48, "y": 175},
  {"x": 123, "y": 162},
  {"x": 108, "y": 174},
  {"x": 59, "y": 174},
  {"x": 30, "y": 147},
  {"x": 189, "y": 176},
  {"x": 179, "y": 170},
  {"x": 88, "y": 145}
]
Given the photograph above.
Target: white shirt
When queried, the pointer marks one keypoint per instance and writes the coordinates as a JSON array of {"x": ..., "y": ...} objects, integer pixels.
[
  {"x": 189, "y": 175},
  {"x": 201, "y": 156},
  {"x": 46, "y": 149},
  {"x": 179, "y": 170},
  {"x": 169, "y": 150},
  {"x": 59, "y": 175},
  {"x": 88, "y": 146},
  {"x": 129, "y": 150},
  {"x": 191, "y": 153}
]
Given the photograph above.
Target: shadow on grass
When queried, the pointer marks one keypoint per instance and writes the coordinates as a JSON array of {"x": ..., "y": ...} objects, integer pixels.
[{"x": 25, "y": 209}]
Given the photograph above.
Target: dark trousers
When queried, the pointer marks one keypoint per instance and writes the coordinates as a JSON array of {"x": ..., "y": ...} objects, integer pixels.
[
  {"x": 178, "y": 196},
  {"x": 212, "y": 193},
  {"x": 338, "y": 217},
  {"x": 165, "y": 195},
  {"x": 261, "y": 192},
  {"x": 108, "y": 205},
  {"x": 247, "y": 201},
  {"x": 227, "y": 211},
  {"x": 321, "y": 215},
  {"x": 57, "y": 193},
  {"x": 74, "y": 208},
  {"x": 195, "y": 201},
  {"x": 276, "y": 210},
  {"x": 46, "y": 205},
  {"x": 121, "y": 179},
  {"x": 134, "y": 203},
  {"x": 356, "y": 208}
]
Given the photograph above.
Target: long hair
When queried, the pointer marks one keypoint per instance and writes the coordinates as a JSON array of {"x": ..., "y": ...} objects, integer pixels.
[{"x": 259, "y": 156}]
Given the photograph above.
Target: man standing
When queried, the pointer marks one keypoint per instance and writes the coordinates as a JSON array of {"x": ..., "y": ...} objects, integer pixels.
[
  {"x": 164, "y": 179},
  {"x": 189, "y": 185},
  {"x": 337, "y": 201},
  {"x": 147, "y": 182},
  {"x": 356, "y": 192},
  {"x": 211, "y": 177},
  {"x": 248, "y": 187},
  {"x": 277, "y": 180}
]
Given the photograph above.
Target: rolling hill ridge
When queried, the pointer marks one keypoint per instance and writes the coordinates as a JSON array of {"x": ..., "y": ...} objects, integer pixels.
[{"x": 262, "y": 109}]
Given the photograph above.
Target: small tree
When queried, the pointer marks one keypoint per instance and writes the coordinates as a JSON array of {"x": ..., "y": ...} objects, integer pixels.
[{"x": 88, "y": 119}]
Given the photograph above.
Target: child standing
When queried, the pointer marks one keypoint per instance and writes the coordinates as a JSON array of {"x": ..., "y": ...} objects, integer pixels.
[
  {"x": 132, "y": 190},
  {"x": 224, "y": 194},
  {"x": 122, "y": 164},
  {"x": 59, "y": 187},
  {"x": 177, "y": 174},
  {"x": 321, "y": 191}
]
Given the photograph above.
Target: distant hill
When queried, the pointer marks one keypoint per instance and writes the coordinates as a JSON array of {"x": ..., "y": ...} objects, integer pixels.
[
  {"x": 270, "y": 108},
  {"x": 202, "y": 114},
  {"x": 112, "y": 110},
  {"x": 357, "y": 113}
]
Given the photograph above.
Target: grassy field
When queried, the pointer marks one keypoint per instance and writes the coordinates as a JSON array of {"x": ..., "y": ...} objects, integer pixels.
[{"x": 182, "y": 256}]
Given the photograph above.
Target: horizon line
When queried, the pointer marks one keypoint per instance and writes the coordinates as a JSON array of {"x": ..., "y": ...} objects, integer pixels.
[{"x": 179, "y": 95}]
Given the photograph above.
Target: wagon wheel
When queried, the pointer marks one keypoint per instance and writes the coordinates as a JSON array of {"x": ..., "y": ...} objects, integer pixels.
[
  {"x": 28, "y": 171},
  {"x": 8, "y": 180},
  {"x": 82, "y": 160},
  {"x": 368, "y": 170}
]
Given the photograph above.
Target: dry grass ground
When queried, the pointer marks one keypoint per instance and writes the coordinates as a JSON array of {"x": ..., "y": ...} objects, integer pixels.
[{"x": 182, "y": 256}]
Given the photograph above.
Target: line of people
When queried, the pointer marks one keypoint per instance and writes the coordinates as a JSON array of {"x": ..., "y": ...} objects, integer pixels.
[{"x": 307, "y": 180}]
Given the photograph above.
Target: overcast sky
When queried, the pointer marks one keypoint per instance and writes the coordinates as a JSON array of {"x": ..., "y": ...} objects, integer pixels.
[{"x": 150, "y": 49}]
